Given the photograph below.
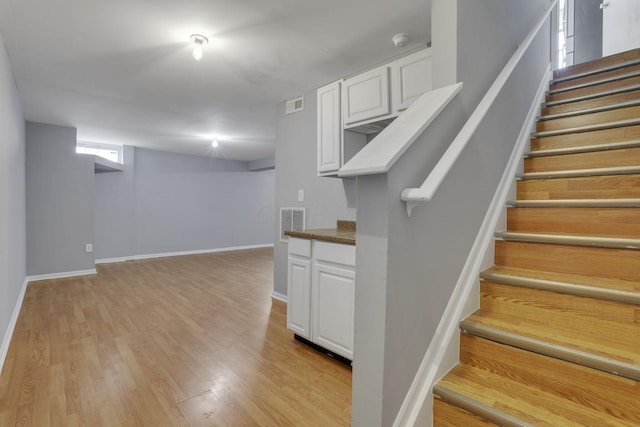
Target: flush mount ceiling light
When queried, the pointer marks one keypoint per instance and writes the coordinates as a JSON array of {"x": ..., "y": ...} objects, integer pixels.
[
  {"x": 198, "y": 41},
  {"x": 214, "y": 143}
]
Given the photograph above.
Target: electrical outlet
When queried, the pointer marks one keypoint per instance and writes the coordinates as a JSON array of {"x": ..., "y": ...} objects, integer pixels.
[
  {"x": 88, "y": 248},
  {"x": 301, "y": 195}
]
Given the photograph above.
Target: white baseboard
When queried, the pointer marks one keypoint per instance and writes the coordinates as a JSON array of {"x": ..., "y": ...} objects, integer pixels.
[
  {"x": 61, "y": 275},
  {"x": 435, "y": 363},
  {"x": 279, "y": 296},
  {"x": 12, "y": 324},
  {"x": 181, "y": 253},
  {"x": 112, "y": 260}
]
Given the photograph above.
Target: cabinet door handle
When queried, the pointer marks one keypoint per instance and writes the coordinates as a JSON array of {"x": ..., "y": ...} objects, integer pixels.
[{"x": 604, "y": 5}]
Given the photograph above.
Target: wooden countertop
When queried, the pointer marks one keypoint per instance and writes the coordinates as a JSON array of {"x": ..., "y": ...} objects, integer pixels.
[{"x": 344, "y": 233}]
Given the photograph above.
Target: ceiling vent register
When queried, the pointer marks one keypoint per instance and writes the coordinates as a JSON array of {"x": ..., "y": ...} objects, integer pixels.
[{"x": 294, "y": 105}]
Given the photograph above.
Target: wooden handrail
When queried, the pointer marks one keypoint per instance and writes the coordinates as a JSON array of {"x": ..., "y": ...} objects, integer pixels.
[{"x": 415, "y": 196}]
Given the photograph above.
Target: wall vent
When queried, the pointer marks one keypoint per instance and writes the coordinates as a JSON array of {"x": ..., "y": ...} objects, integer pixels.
[
  {"x": 294, "y": 105},
  {"x": 290, "y": 219}
]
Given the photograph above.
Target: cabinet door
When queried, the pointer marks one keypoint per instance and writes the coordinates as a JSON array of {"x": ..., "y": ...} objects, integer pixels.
[
  {"x": 366, "y": 96},
  {"x": 411, "y": 76},
  {"x": 333, "y": 308},
  {"x": 299, "y": 296},
  {"x": 329, "y": 128}
]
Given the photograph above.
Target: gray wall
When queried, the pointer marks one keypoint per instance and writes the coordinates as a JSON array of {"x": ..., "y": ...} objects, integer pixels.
[
  {"x": 326, "y": 199},
  {"x": 114, "y": 228},
  {"x": 401, "y": 292},
  {"x": 587, "y": 30},
  {"x": 164, "y": 202},
  {"x": 12, "y": 196},
  {"x": 59, "y": 201}
]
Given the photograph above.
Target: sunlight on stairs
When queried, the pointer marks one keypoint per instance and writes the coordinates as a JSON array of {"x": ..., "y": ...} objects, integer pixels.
[{"x": 556, "y": 341}]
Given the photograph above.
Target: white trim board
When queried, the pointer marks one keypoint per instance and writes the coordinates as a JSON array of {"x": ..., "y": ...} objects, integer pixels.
[
  {"x": 279, "y": 297},
  {"x": 61, "y": 275},
  {"x": 182, "y": 253},
  {"x": 4, "y": 349},
  {"x": 435, "y": 362}
]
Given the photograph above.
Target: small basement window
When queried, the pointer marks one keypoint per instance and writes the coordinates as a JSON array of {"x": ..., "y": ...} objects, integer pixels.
[{"x": 111, "y": 152}]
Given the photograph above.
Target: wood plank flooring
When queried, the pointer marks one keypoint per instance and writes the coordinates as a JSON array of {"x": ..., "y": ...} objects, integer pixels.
[{"x": 183, "y": 341}]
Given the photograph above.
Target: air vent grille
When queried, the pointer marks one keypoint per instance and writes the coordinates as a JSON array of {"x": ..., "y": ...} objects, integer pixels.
[
  {"x": 291, "y": 219},
  {"x": 294, "y": 105}
]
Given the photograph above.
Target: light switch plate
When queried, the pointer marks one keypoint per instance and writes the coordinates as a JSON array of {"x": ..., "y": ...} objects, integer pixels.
[{"x": 301, "y": 195}]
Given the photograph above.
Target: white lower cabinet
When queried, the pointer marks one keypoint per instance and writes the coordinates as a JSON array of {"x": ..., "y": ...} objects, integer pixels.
[
  {"x": 321, "y": 290},
  {"x": 299, "y": 295},
  {"x": 333, "y": 291}
]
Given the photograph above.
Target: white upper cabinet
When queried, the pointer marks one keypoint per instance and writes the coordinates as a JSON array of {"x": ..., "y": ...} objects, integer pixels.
[
  {"x": 329, "y": 128},
  {"x": 366, "y": 96},
  {"x": 411, "y": 76}
]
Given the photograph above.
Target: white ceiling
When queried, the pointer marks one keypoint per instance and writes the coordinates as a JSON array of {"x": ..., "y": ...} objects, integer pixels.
[{"x": 121, "y": 71}]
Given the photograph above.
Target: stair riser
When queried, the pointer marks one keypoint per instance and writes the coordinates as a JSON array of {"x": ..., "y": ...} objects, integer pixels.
[
  {"x": 586, "y": 138},
  {"x": 562, "y": 379},
  {"x": 594, "y": 77},
  {"x": 623, "y": 264},
  {"x": 597, "y": 64},
  {"x": 593, "y": 187},
  {"x": 604, "y": 320},
  {"x": 593, "y": 160},
  {"x": 445, "y": 415},
  {"x": 588, "y": 119},
  {"x": 586, "y": 221},
  {"x": 591, "y": 103},
  {"x": 592, "y": 89}
]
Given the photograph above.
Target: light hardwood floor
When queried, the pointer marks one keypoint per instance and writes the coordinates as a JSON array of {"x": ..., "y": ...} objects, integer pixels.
[{"x": 191, "y": 340}]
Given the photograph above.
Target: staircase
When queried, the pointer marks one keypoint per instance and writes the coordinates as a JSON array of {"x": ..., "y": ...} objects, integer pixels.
[{"x": 556, "y": 341}]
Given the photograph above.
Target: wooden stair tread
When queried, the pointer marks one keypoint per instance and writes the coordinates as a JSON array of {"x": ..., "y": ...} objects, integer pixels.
[
  {"x": 523, "y": 402},
  {"x": 533, "y": 203},
  {"x": 590, "y": 160},
  {"x": 598, "y": 65},
  {"x": 584, "y": 149},
  {"x": 603, "y": 189},
  {"x": 601, "y": 96},
  {"x": 611, "y": 86},
  {"x": 598, "y": 80},
  {"x": 592, "y": 76},
  {"x": 601, "y": 136},
  {"x": 599, "y": 319},
  {"x": 446, "y": 415},
  {"x": 626, "y": 111},
  {"x": 571, "y": 239},
  {"x": 588, "y": 128},
  {"x": 612, "y": 222},
  {"x": 620, "y": 264},
  {"x": 624, "y": 286},
  {"x": 620, "y": 95},
  {"x": 516, "y": 381},
  {"x": 556, "y": 336},
  {"x": 609, "y": 106}
]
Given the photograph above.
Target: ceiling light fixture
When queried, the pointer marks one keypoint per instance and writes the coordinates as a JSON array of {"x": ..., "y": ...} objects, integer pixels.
[
  {"x": 198, "y": 41},
  {"x": 214, "y": 143}
]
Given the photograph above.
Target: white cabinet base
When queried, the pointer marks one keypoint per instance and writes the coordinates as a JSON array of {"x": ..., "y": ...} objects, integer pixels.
[
  {"x": 333, "y": 305},
  {"x": 321, "y": 292}
]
